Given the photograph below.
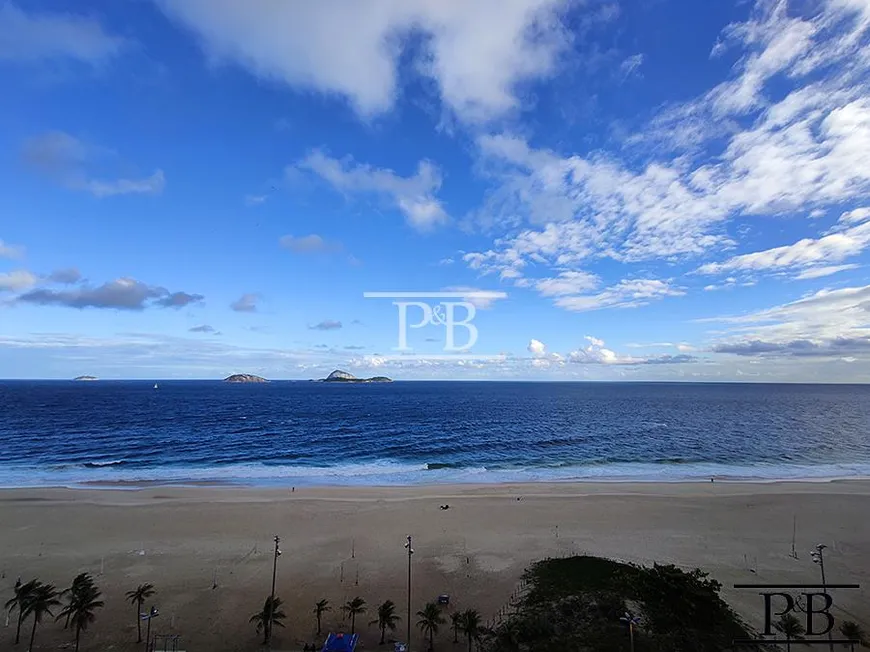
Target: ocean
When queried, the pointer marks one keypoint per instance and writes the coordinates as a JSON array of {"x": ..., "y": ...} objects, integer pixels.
[{"x": 64, "y": 433}]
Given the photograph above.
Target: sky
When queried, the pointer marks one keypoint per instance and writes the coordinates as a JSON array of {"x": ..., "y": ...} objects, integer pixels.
[{"x": 605, "y": 189}]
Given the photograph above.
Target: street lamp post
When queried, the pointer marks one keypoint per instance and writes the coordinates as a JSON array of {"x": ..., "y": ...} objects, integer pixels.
[
  {"x": 410, "y": 552},
  {"x": 272, "y": 594},
  {"x": 818, "y": 557},
  {"x": 631, "y": 621},
  {"x": 153, "y": 613}
]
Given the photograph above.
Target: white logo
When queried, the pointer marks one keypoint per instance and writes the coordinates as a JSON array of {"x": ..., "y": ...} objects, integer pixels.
[{"x": 451, "y": 315}]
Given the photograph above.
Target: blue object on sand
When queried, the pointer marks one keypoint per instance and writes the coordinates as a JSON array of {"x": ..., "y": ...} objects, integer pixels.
[{"x": 340, "y": 642}]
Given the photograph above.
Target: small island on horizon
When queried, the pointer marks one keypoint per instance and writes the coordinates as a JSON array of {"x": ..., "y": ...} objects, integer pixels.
[
  {"x": 339, "y": 376},
  {"x": 245, "y": 378},
  {"x": 85, "y": 378}
]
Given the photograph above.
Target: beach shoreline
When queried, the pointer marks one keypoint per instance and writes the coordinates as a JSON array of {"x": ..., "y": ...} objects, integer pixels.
[
  {"x": 208, "y": 549},
  {"x": 442, "y": 488},
  {"x": 386, "y": 474}
]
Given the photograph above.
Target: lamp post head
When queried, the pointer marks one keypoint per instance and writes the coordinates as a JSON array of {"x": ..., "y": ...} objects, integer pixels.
[
  {"x": 629, "y": 619},
  {"x": 154, "y": 612}
]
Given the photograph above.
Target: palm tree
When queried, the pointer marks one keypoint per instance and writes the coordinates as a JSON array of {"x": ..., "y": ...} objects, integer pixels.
[
  {"x": 853, "y": 631},
  {"x": 430, "y": 619},
  {"x": 470, "y": 626},
  {"x": 265, "y": 618},
  {"x": 40, "y": 602},
  {"x": 19, "y": 601},
  {"x": 80, "y": 584},
  {"x": 791, "y": 627},
  {"x": 386, "y": 618},
  {"x": 137, "y": 599},
  {"x": 352, "y": 608},
  {"x": 456, "y": 625},
  {"x": 320, "y": 608},
  {"x": 80, "y": 610}
]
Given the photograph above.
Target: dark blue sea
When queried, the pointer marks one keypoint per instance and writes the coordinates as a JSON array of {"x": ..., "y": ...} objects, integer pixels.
[{"x": 302, "y": 433}]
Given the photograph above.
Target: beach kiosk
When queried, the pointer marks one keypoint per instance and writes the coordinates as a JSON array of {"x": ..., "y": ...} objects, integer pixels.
[{"x": 340, "y": 642}]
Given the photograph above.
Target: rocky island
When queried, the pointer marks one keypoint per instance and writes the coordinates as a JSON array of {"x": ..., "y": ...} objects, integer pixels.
[
  {"x": 245, "y": 378},
  {"x": 85, "y": 378},
  {"x": 339, "y": 376}
]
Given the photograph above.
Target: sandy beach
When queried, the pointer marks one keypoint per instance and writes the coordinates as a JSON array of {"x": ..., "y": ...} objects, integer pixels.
[{"x": 208, "y": 550}]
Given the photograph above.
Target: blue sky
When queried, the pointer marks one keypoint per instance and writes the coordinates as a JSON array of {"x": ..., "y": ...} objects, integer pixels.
[{"x": 661, "y": 189}]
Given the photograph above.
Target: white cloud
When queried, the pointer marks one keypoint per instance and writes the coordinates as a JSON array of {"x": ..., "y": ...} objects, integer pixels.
[
  {"x": 414, "y": 196},
  {"x": 794, "y": 147},
  {"x": 804, "y": 254},
  {"x": 255, "y": 200},
  {"x": 42, "y": 36},
  {"x": 482, "y": 299},
  {"x": 631, "y": 65},
  {"x": 65, "y": 276},
  {"x": 12, "y": 252},
  {"x": 326, "y": 325},
  {"x": 120, "y": 294},
  {"x": 476, "y": 53},
  {"x": 308, "y": 244},
  {"x": 152, "y": 185},
  {"x": 17, "y": 281},
  {"x": 246, "y": 303},
  {"x": 776, "y": 40},
  {"x": 629, "y": 293},
  {"x": 826, "y": 323},
  {"x": 536, "y": 348},
  {"x": 596, "y": 353},
  {"x": 856, "y": 215},
  {"x": 592, "y": 206},
  {"x": 571, "y": 282},
  {"x": 68, "y": 161},
  {"x": 826, "y": 270}
]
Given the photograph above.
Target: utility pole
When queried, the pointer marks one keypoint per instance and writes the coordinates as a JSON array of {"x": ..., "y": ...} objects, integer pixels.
[
  {"x": 793, "y": 534},
  {"x": 272, "y": 594},
  {"x": 153, "y": 613},
  {"x": 410, "y": 552},
  {"x": 819, "y": 558}
]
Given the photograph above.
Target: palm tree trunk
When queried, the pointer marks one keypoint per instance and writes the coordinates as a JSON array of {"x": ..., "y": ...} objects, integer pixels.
[
  {"x": 383, "y": 633},
  {"x": 352, "y": 622},
  {"x": 138, "y": 607},
  {"x": 469, "y": 641},
  {"x": 18, "y": 629},
  {"x": 32, "y": 634},
  {"x": 318, "y": 624},
  {"x": 78, "y": 636},
  {"x": 788, "y": 643},
  {"x": 431, "y": 640}
]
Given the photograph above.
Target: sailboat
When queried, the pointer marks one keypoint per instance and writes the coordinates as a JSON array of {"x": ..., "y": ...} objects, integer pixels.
[{"x": 155, "y": 385}]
